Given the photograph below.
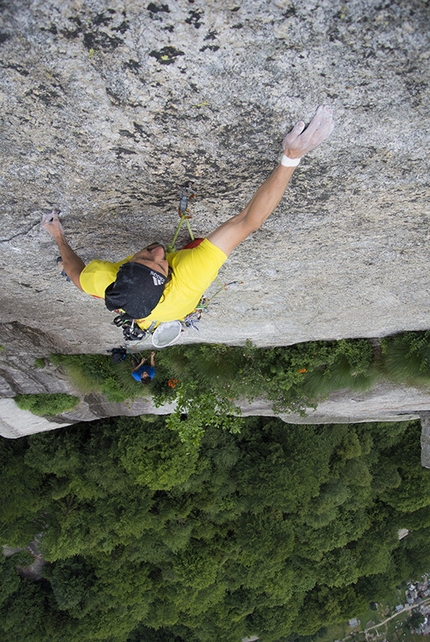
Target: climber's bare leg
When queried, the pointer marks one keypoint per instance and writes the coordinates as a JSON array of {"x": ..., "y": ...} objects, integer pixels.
[{"x": 73, "y": 265}]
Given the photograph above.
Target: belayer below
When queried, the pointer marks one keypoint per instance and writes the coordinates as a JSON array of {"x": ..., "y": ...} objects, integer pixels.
[{"x": 144, "y": 373}]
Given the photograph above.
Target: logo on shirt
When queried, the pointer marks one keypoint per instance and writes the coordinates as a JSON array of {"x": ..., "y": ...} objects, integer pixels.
[{"x": 157, "y": 279}]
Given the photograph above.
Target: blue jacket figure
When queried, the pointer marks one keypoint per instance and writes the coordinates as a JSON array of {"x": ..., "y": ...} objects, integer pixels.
[{"x": 144, "y": 373}]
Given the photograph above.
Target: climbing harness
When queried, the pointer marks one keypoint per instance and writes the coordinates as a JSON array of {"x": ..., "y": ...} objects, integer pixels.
[{"x": 172, "y": 329}]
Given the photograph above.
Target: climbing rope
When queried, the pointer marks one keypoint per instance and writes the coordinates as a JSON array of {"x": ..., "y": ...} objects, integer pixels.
[
  {"x": 185, "y": 195},
  {"x": 131, "y": 331}
]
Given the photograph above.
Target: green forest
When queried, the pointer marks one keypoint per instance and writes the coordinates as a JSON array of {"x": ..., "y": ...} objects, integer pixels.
[{"x": 277, "y": 530}]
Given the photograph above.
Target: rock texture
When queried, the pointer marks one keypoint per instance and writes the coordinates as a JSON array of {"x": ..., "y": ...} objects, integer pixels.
[{"x": 109, "y": 107}]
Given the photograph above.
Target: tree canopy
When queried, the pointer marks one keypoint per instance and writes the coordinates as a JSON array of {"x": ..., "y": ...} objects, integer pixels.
[{"x": 276, "y": 530}]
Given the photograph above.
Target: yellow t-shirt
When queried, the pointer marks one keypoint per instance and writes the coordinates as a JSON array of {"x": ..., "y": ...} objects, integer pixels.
[
  {"x": 97, "y": 275},
  {"x": 193, "y": 272}
]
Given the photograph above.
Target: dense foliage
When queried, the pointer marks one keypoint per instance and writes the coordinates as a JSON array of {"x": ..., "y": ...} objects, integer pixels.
[
  {"x": 208, "y": 381},
  {"x": 276, "y": 530},
  {"x": 98, "y": 373},
  {"x": 406, "y": 358},
  {"x": 293, "y": 378},
  {"x": 46, "y": 404}
]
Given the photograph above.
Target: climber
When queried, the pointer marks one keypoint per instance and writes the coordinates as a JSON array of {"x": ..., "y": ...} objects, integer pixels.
[
  {"x": 150, "y": 286},
  {"x": 144, "y": 373}
]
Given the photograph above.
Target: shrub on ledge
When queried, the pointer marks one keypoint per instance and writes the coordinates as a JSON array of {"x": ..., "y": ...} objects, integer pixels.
[{"x": 46, "y": 404}]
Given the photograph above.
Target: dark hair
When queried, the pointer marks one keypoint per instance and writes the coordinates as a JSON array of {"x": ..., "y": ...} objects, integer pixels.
[{"x": 145, "y": 380}]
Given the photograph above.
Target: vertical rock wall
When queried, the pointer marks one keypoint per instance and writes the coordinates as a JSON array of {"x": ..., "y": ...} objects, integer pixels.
[{"x": 109, "y": 106}]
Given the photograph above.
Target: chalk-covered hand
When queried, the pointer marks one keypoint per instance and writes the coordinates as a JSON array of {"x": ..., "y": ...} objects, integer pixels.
[{"x": 300, "y": 141}]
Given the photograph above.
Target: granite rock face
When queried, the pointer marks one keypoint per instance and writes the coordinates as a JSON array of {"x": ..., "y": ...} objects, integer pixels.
[{"x": 109, "y": 107}]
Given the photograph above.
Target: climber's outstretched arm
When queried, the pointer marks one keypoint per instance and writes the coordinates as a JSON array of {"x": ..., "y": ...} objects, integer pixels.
[
  {"x": 72, "y": 264},
  {"x": 296, "y": 144}
]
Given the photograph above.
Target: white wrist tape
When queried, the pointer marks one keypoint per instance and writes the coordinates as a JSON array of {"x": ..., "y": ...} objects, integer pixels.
[{"x": 286, "y": 161}]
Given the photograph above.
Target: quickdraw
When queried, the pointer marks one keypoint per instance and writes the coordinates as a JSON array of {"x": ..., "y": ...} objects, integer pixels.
[
  {"x": 185, "y": 195},
  {"x": 130, "y": 329}
]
